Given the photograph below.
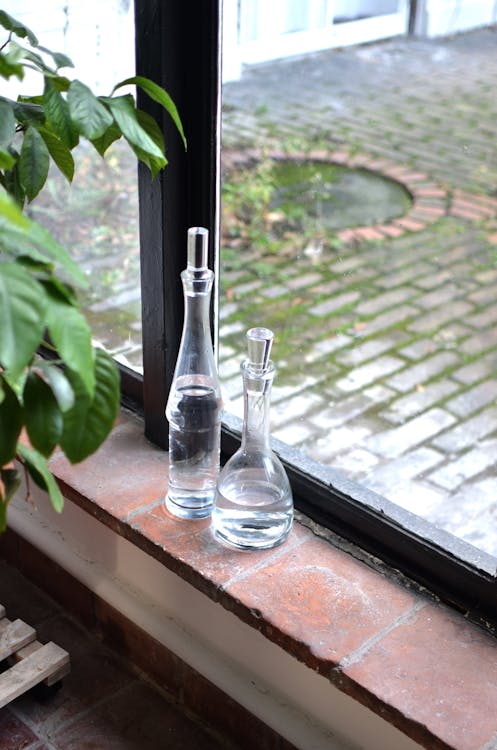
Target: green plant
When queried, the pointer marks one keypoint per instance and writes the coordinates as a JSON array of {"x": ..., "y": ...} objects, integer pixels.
[{"x": 70, "y": 401}]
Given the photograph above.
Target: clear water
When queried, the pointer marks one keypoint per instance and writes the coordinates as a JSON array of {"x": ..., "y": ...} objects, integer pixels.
[
  {"x": 252, "y": 514},
  {"x": 194, "y": 440}
]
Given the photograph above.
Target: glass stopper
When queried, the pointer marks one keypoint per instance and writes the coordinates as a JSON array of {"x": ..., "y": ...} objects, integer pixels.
[
  {"x": 259, "y": 342},
  {"x": 197, "y": 246}
]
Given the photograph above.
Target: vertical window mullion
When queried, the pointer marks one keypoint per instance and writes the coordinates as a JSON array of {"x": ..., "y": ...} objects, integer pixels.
[{"x": 177, "y": 46}]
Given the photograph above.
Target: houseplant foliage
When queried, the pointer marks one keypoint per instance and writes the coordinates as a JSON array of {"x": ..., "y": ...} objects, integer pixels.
[{"x": 71, "y": 400}]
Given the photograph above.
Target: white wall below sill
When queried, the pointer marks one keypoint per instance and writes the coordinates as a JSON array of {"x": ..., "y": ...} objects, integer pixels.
[{"x": 296, "y": 702}]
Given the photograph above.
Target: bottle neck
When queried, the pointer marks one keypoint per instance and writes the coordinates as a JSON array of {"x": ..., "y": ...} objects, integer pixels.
[
  {"x": 257, "y": 401},
  {"x": 197, "y": 287}
]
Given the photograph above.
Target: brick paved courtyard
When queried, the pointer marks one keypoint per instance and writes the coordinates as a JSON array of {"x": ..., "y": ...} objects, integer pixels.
[{"x": 386, "y": 333}]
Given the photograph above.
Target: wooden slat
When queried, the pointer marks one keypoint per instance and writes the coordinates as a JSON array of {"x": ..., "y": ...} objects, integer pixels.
[
  {"x": 39, "y": 665},
  {"x": 30, "y": 649},
  {"x": 14, "y": 636}
]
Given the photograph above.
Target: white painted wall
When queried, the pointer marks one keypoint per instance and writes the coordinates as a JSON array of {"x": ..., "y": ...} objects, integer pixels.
[
  {"x": 98, "y": 35},
  {"x": 444, "y": 17}
]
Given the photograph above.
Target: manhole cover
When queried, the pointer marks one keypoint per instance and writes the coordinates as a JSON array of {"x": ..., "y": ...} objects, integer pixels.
[{"x": 327, "y": 196}]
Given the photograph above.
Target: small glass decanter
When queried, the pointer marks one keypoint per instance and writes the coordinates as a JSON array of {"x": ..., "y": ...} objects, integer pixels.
[
  {"x": 194, "y": 404},
  {"x": 253, "y": 508}
]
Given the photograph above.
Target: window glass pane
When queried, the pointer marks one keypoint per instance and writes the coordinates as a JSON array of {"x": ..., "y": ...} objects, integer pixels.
[
  {"x": 360, "y": 224},
  {"x": 96, "y": 218},
  {"x": 349, "y": 10}
]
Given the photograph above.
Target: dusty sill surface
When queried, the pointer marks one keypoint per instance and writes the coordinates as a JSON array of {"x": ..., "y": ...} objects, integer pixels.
[{"x": 420, "y": 666}]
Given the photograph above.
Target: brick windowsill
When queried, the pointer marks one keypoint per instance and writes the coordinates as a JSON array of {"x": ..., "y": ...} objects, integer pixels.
[{"x": 412, "y": 661}]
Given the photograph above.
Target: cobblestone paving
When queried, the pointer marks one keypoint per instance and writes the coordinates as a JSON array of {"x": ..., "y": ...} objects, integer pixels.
[{"x": 385, "y": 340}]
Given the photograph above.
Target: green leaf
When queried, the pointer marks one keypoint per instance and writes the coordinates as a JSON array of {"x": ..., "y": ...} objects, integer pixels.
[
  {"x": 158, "y": 94},
  {"x": 90, "y": 420},
  {"x": 59, "y": 153},
  {"x": 29, "y": 114},
  {"x": 107, "y": 139},
  {"x": 22, "y": 317},
  {"x": 36, "y": 266},
  {"x": 7, "y": 161},
  {"x": 11, "y": 482},
  {"x": 26, "y": 54},
  {"x": 10, "y": 67},
  {"x": 11, "y": 421},
  {"x": 7, "y": 123},
  {"x": 11, "y": 24},
  {"x": 61, "y": 387},
  {"x": 88, "y": 114},
  {"x": 53, "y": 285},
  {"x": 61, "y": 83},
  {"x": 71, "y": 336},
  {"x": 61, "y": 60},
  {"x": 124, "y": 112},
  {"x": 125, "y": 115},
  {"x": 152, "y": 162},
  {"x": 42, "y": 415},
  {"x": 37, "y": 466},
  {"x": 22, "y": 236},
  {"x": 150, "y": 126},
  {"x": 34, "y": 162},
  {"x": 15, "y": 191},
  {"x": 58, "y": 114}
]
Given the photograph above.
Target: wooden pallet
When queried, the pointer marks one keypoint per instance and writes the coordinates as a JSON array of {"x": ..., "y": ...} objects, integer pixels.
[{"x": 32, "y": 662}]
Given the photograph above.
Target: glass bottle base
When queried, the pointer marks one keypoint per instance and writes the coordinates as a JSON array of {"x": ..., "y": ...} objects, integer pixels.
[
  {"x": 190, "y": 506},
  {"x": 249, "y": 531}
]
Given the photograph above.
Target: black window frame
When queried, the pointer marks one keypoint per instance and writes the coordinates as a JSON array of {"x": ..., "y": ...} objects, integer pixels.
[{"x": 178, "y": 44}]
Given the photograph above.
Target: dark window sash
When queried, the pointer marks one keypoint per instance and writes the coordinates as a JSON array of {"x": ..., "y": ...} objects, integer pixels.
[{"x": 177, "y": 45}]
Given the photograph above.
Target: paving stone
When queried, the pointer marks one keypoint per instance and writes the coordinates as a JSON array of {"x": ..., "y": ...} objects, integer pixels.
[
  {"x": 369, "y": 349},
  {"x": 248, "y": 287},
  {"x": 467, "y": 466},
  {"x": 272, "y": 292},
  {"x": 406, "y": 467},
  {"x": 480, "y": 342},
  {"x": 296, "y": 407},
  {"x": 355, "y": 463},
  {"x": 468, "y": 433},
  {"x": 485, "y": 296},
  {"x": 398, "y": 440},
  {"x": 473, "y": 399},
  {"x": 334, "y": 303},
  {"x": 346, "y": 409},
  {"x": 293, "y": 433},
  {"x": 392, "y": 317},
  {"x": 302, "y": 281},
  {"x": 384, "y": 301},
  {"x": 407, "y": 275},
  {"x": 363, "y": 376},
  {"x": 419, "y": 349},
  {"x": 440, "y": 316},
  {"x": 322, "y": 348},
  {"x": 418, "y": 401},
  {"x": 415, "y": 497},
  {"x": 423, "y": 371},
  {"x": 440, "y": 296},
  {"x": 471, "y": 514},
  {"x": 477, "y": 370},
  {"x": 329, "y": 287},
  {"x": 228, "y": 329},
  {"x": 338, "y": 440}
]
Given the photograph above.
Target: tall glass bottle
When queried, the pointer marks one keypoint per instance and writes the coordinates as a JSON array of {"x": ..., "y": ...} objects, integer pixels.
[
  {"x": 253, "y": 508},
  {"x": 194, "y": 404}
]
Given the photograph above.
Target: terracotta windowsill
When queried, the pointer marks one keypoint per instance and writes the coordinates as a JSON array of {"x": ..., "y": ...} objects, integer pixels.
[{"x": 414, "y": 662}]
